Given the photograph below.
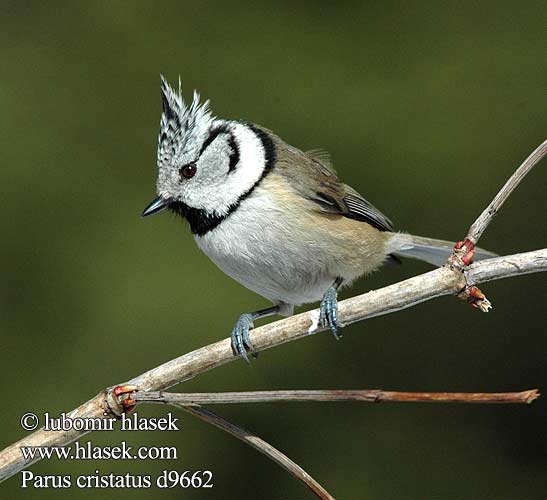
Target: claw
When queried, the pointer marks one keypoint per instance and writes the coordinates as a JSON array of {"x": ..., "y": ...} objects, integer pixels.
[
  {"x": 128, "y": 403},
  {"x": 328, "y": 315},
  {"x": 241, "y": 342}
]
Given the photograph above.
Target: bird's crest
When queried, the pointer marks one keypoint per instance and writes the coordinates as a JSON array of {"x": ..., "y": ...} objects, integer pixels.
[{"x": 182, "y": 127}]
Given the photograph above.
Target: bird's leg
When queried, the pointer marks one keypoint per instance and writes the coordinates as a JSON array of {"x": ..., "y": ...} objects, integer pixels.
[
  {"x": 241, "y": 343},
  {"x": 329, "y": 309}
]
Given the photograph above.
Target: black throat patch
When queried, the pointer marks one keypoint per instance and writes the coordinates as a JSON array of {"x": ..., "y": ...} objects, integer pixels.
[{"x": 201, "y": 221}]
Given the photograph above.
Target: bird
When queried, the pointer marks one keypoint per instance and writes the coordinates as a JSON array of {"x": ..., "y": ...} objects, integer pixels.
[{"x": 276, "y": 219}]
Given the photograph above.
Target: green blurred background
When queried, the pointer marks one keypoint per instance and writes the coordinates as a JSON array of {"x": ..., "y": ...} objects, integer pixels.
[{"x": 426, "y": 108}]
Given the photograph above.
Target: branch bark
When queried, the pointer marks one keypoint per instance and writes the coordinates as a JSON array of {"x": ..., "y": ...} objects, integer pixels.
[{"x": 368, "y": 395}]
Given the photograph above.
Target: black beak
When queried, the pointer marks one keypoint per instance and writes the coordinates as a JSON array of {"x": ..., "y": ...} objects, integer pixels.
[{"x": 156, "y": 206}]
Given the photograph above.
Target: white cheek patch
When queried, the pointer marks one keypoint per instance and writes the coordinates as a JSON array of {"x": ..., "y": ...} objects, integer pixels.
[
  {"x": 252, "y": 158},
  {"x": 223, "y": 189}
]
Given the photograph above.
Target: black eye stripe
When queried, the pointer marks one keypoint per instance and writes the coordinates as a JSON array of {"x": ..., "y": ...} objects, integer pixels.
[
  {"x": 212, "y": 136},
  {"x": 234, "y": 149},
  {"x": 234, "y": 154}
]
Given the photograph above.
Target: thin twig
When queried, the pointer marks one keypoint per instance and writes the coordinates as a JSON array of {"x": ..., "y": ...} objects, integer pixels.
[
  {"x": 369, "y": 395},
  {"x": 464, "y": 250},
  {"x": 260, "y": 445},
  {"x": 484, "y": 219}
]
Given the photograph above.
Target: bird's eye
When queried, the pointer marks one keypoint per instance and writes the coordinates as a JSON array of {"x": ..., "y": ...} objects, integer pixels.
[{"x": 188, "y": 171}]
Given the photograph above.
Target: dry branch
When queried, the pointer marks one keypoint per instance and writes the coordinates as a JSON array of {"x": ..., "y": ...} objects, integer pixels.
[
  {"x": 367, "y": 395},
  {"x": 191, "y": 403},
  {"x": 439, "y": 282},
  {"x": 484, "y": 219},
  {"x": 260, "y": 445},
  {"x": 456, "y": 261},
  {"x": 443, "y": 281}
]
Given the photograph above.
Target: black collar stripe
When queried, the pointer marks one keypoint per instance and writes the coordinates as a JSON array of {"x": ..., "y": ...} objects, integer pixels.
[{"x": 234, "y": 154}]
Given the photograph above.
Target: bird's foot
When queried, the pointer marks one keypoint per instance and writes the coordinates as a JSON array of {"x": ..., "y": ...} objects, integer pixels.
[
  {"x": 124, "y": 394},
  {"x": 328, "y": 315},
  {"x": 241, "y": 343}
]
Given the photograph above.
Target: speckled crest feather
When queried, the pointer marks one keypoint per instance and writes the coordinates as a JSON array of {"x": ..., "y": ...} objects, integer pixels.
[{"x": 182, "y": 128}]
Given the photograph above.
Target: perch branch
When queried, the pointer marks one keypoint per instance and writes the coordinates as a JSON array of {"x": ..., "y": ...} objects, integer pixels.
[
  {"x": 370, "y": 396},
  {"x": 258, "y": 444}
]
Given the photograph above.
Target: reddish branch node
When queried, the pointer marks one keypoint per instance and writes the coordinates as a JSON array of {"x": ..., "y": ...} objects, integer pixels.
[
  {"x": 468, "y": 250},
  {"x": 476, "y": 298},
  {"x": 465, "y": 251},
  {"x": 124, "y": 393}
]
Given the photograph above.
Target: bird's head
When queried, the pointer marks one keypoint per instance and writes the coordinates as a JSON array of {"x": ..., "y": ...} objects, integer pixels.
[{"x": 205, "y": 164}]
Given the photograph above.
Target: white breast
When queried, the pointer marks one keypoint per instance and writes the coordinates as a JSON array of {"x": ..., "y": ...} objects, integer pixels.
[{"x": 269, "y": 249}]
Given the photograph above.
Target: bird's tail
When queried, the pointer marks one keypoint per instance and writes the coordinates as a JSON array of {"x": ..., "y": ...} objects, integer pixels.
[{"x": 429, "y": 250}]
